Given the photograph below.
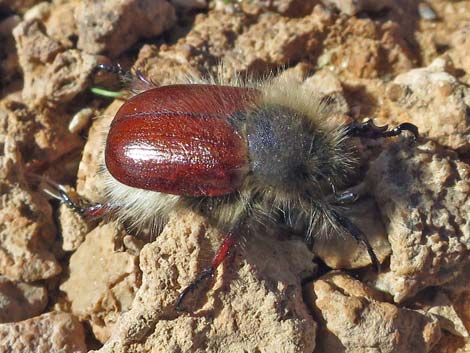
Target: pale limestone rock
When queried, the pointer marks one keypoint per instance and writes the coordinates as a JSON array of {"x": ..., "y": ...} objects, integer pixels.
[
  {"x": 102, "y": 281},
  {"x": 441, "y": 307},
  {"x": 436, "y": 102},
  {"x": 354, "y": 318},
  {"x": 20, "y": 301},
  {"x": 422, "y": 192},
  {"x": 254, "y": 305},
  {"x": 53, "y": 332}
]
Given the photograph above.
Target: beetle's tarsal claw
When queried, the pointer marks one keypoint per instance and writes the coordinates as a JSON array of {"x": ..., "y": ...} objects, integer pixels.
[
  {"x": 369, "y": 130},
  {"x": 409, "y": 127},
  {"x": 204, "y": 275},
  {"x": 65, "y": 198}
]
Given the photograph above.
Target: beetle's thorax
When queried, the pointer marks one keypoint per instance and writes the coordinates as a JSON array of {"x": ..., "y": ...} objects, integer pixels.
[{"x": 279, "y": 145}]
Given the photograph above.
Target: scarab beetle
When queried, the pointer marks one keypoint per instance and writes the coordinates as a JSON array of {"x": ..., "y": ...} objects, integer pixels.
[{"x": 232, "y": 153}]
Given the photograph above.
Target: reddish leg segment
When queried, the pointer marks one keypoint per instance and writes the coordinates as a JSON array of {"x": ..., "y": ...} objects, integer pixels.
[{"x": 222, "y": 253}]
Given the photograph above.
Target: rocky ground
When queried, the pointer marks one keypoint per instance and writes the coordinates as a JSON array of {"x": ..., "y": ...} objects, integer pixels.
[{"x": 71, "y": 286}]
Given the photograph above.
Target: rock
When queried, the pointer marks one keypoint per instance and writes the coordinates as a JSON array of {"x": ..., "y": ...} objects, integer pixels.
[
  {"x": 18, "y": 5},
  {"x": 370, "y": 50},
  {"x": 436, "y": 102},
  {"x": 102, "y": 281},
  {"x": 20, "y": 301},
  {"x": 110, "y": 27},
  {"x": 286, "y": 41},
  {"x": 53, "y": 332},
  {"x": 441, "y": 307},
  {"x": 451, "y": 344},
  {"x": 422, "y": 196},
  {"x": 73, "y": 228},
  {"x": 255, "y": 303},
  {"x": 353, "y": 7},
  {"x": 460, "y": 42},
  {"x": 41, "y": 135},
  {"x": 426, "y": 12},
  {"x": 90, "y": 182},
  {"x": 353, "y": 318},
  {"x": 233, "y": 40},
  {"x": 50, "y": 72},
  {"x": 288, "y": 8},
  {"x": 190, "y": 4},
  {"x": 60, "y": 22},
  {"x": 27, "y": 230},
  {"x": 8, "y": 57}
]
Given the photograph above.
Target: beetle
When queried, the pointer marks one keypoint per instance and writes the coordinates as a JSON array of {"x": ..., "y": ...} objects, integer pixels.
[{"x": 265, "y": 150}]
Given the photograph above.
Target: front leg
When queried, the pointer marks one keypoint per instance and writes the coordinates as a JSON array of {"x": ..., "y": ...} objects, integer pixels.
[{"x": 369, "y": 130}]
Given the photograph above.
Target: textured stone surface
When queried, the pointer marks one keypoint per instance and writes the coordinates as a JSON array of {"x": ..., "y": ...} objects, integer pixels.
[
  {"x": 435, "y": 101},
  {"x": 354, "y": 319},
  {"x": 49, "y": 333},
  {"x": 110, "y": 26},
  {"x": 370, "y": 49},
  {"x": 20, "y": 301},
  {"x": 72, "y": 227},
  {"x": 89, "y": 180},
  {"x": 422, "y": 192},
  {"x": 50, "y": 72},
  {"x": 352, "y": 7},
  {"x": 102, "y": 280},
  {"x": 26, "y": 231},
  {"x": 255, "y": 303},
  {"x": 8, "y": 57},
  {"x": 441, "y": 307}
]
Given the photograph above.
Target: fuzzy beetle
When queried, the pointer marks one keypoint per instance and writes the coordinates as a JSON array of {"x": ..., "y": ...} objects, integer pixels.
[{"x": 231, "y": 152}]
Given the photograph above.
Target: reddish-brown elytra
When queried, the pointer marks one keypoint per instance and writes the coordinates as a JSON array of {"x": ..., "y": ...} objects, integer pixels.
[{"x": 180, "y": 140}]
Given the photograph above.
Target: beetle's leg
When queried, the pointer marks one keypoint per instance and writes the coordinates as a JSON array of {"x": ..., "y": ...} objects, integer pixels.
[
  {"x": 116, "y": 69},
  {"x": 135, "y": 82},
  {"x": 369, "y": 130},
  {"x": 222, "y": 253},
  {"x": 360, "y": 237},
  {"x": 90, "y": 212},
  {"x": 343, "y": 198}
]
